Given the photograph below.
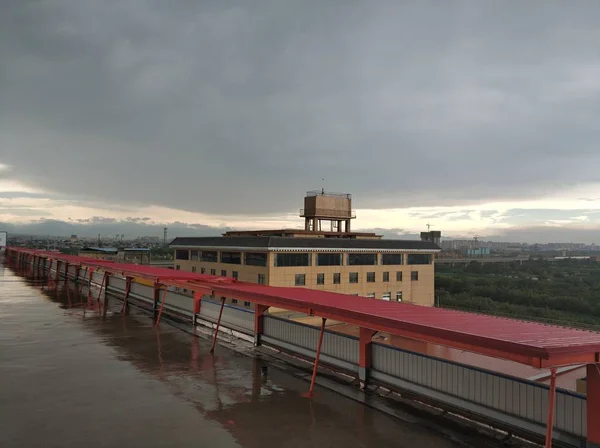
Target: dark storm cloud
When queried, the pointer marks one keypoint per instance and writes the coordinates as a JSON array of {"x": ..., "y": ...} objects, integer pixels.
[{"x": 239, "y": 107}]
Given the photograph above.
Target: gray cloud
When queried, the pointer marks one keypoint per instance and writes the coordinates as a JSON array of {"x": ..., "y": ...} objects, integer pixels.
[{"x": 240, "y": 107}]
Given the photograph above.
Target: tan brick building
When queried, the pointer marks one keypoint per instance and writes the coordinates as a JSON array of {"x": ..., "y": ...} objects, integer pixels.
[{"x": 394, "y": 270}]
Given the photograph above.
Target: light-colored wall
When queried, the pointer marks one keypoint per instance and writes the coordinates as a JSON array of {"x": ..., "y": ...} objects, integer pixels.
[{"x": 420, "y": 292}]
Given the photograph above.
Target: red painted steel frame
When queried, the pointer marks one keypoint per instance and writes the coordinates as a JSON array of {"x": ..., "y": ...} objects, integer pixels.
[
  {"x": 551, "y": 406},
  {"x": 214, "y": 342},
  {"x": 528, "y": 343}
]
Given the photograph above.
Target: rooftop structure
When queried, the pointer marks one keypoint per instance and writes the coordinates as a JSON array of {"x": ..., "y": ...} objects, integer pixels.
[{"x": 336, "y": 208}]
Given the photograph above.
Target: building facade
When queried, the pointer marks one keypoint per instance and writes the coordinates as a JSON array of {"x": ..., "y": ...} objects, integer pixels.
[{"x": 392, "y": 270}]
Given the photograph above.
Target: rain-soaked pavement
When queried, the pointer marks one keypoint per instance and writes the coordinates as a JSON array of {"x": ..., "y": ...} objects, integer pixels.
[{"x": 72, "y": 381}]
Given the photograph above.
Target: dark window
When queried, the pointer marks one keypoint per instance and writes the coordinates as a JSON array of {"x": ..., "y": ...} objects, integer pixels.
[
  {"x": 202, "y": 271},
  {"x": 329, "y": 259},
  {"x": 247, "y": 304},
  {"x": 234, "y": 274},
  {"x": 261, "y": 279},
  {"x": 182, "y": 254},
  {"x": 300, "y": 280},
  {"x": 223, "y": 273},
  {"x": 392, "y": 259},
  {"x": 353, "y": 277},
  {"x": 371, "y": 277},
  {"x": 177, "y": 267},
  {"x": 386, "y": 276},
  {"x": 283, "y": 260},
  {"x": 337, "y": 278},
  {"x": 233, "y": 300},
  {"x": 320, "y": 279},
  {"x": 256, "y": 259},
  {"x": 399, "y": 296},
  {"x": 362, "y": 259},
  {"x": 209, "y": 255},
  {"x": 194, "y": 255},
  {"x": 193, "y": 268},
  {"x": 399, "y": 276},
  {"x": 231, "y": 257},
  {"x": 414, "y": 275},
  {"x": 213, "y": 272},
  {"x": 418, "y": 259}
]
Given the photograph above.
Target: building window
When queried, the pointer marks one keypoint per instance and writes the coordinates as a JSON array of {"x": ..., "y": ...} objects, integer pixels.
[
  {"x": 233, "y": 300},
  {"x": 194, "y": 254},
  {"x": 283, "y": 260},
  {"x": 202, "y": 271},
  {"x": 362, "y": 259},
  {"x": 392, "y": 259},
  {"x": 177, "y": 268},
  {"x": 414, "y": 275},
  {"x": 261, "y": 279},
  {"x": 370, "y": 277},
  {"x": 223, "y": 273},
  {"x": 399, "y": 296},
  {"x": 300, "y": 280},
  {"x": 370, "y": 295},
  {"x": 386, "y": 276},
  {"x": 247, "y": 303},
  {"x": 231, "y": 257},
  {"x": 320, "y": 279},
  {"x": 353, "y": 277},
  {"x": 337, "y": 278},
  {"x": 399, "y": 276},
  {"x": 256, "y": 258},
  {"x": 328, "y": 259},
  {"x": 209, "y": 255},
  {"x": 193, "y": 268},
  {"x": 213, "y": 272},
  {"x": 418, "y": 259},
  {"x": 181, "y": 254},
  {"x": 234, "y": 274},
  {"x": 387, "y": 296}
]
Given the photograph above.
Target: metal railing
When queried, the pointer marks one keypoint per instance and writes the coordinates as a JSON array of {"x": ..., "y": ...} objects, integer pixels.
[{"x": 328, "y": 193}]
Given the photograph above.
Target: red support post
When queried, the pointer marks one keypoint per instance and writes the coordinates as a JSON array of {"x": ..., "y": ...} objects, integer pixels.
[
  {"x": 127, "y": 291},
  {"x": 365, "y": 347},
  {"x": 593, "y": 404},
  {"x": 259, "y": 311},
  {"x": 160, "y": 310},
  {"x": 197, "y": 305},
  {"x": 57, "y": 271},
  {"x": 212, "y": 349},
  {"x": 104, "y": 280},
  {"x": 551, "y": 405},
  {"x": 319, "y": 345}
]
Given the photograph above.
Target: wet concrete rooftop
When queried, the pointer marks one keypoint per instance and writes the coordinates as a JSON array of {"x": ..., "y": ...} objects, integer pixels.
[{"x": 69, "y": 380}]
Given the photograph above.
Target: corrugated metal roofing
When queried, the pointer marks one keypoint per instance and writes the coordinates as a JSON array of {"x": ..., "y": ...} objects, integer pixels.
[
  {"x": 269, "y": 242},
  {"x": 521, "y": 341}
]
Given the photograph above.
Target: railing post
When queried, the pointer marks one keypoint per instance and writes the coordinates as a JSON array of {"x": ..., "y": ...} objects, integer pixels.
[
  {"x": 197, "y": 305},
  {"x": 127, "y": 291},
  {"x": 259, "y": 312},
  {"x": 551, "y": 404},
  {"x": 365, "y": 355},
  {"x": 162, "y": 304},
  {"x": 593, "y": 405},
  {"x": 155, "y": 299},
  {"x": 318, "y": 355},
  {"x": 212, "y": 349}
]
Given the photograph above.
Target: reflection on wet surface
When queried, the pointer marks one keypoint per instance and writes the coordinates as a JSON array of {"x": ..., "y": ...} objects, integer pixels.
[{"x": 73, "y": 379}]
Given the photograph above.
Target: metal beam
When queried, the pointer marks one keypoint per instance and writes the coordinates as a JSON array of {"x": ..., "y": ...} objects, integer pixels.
[
  {"x": 214, "y": 342},
  {"x": 551, "y": 405},
  {"x": 318, "y": 355}
]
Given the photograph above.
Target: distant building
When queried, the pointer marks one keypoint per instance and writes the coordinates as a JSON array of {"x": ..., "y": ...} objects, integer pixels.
[
  {"x": 101, "y": 253},
  {"x": 334, "y": 259},
  {"x": 134, "y": 255}
]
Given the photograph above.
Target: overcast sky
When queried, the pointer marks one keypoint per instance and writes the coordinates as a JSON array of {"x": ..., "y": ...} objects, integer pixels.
[{"x": 479, "y": 117}]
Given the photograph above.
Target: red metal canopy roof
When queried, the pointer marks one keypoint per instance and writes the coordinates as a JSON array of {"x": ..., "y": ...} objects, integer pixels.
[{"x": 532, "y": 343}]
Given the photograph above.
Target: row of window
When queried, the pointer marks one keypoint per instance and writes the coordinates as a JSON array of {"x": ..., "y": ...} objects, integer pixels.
[
  {"x": 260, "y": 277},
  {"x": 301, "y": 259},
  {"x": 300, "y": 279},
  {"x": 387, "y": 296},
  {"x": 329, "y": 259}
]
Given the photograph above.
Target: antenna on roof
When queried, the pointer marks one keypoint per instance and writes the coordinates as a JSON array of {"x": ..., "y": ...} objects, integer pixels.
[
  {"x": 429, "y": 226},
  {"x": 323, "y": 188}
]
